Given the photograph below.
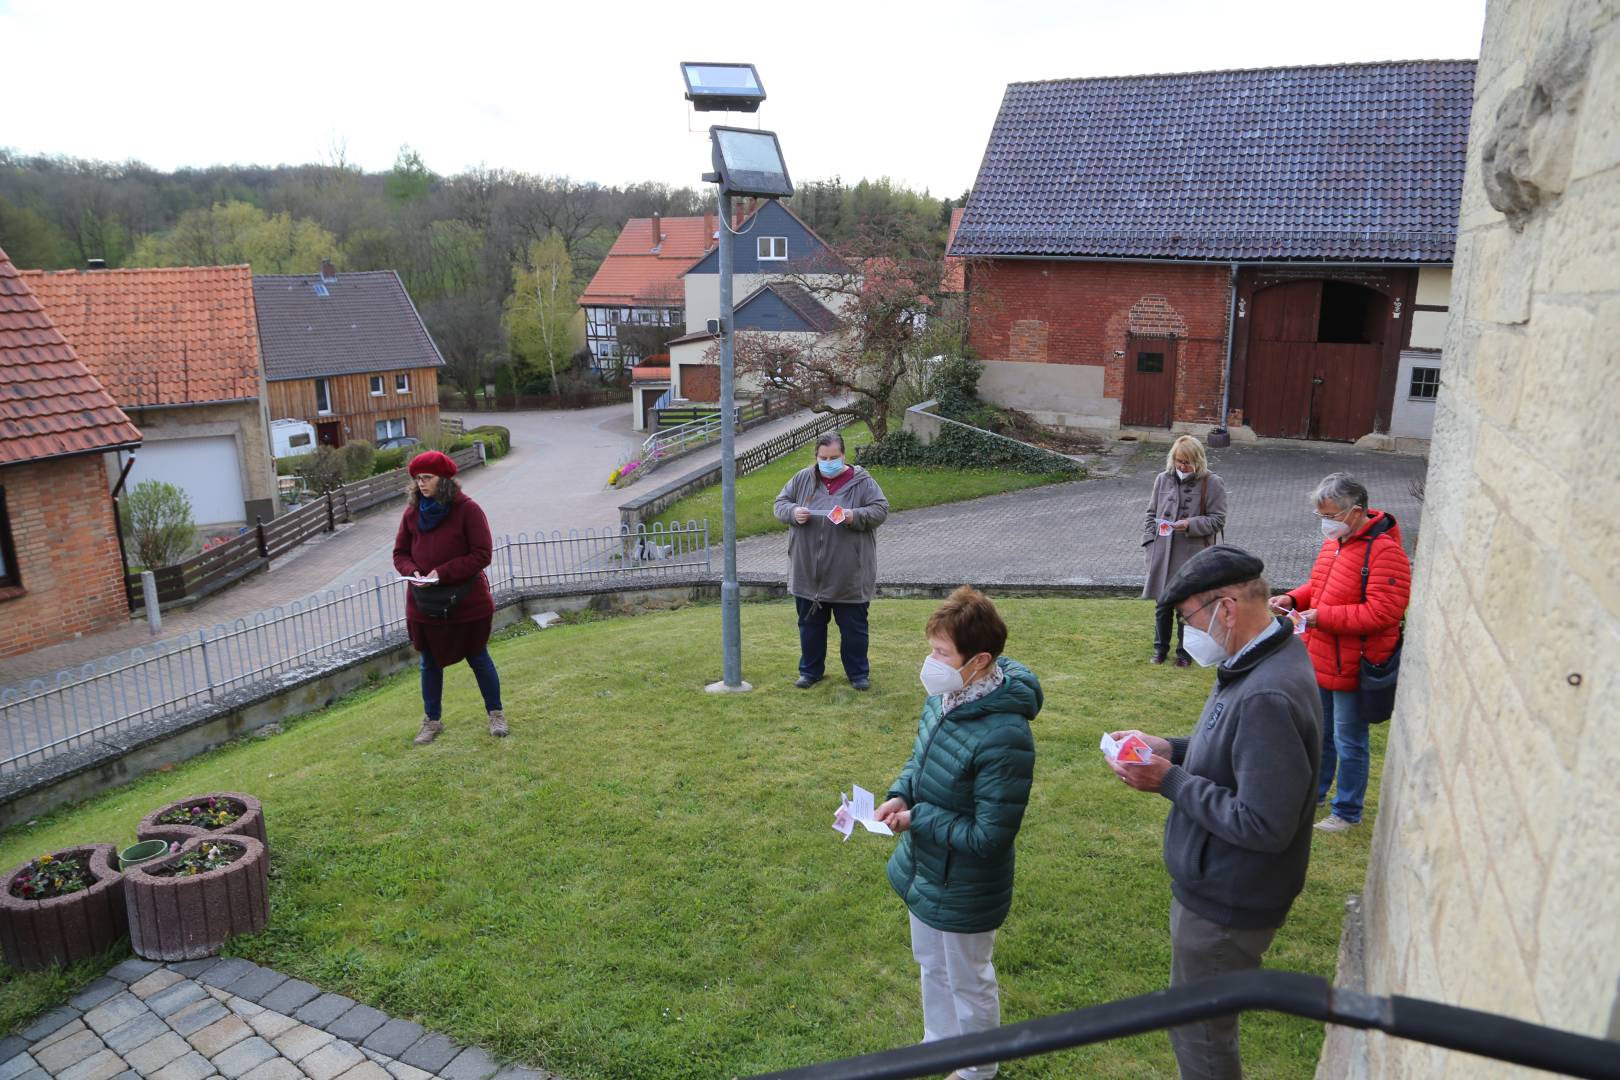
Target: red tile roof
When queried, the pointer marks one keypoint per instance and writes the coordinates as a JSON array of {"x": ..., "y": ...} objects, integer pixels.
[
  {"x": 640, "y": 271},
  {"x": 955, "y": 279},
  {"x": 50, "y": 404},
  {"x": 179, "y": 336}
]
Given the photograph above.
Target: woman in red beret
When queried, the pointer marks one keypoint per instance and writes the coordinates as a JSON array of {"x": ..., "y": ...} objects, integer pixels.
[{"x": 444, "y": 536}]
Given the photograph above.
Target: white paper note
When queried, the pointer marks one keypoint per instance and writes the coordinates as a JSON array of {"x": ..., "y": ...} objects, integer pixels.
[{"x": 858, "y": 809}]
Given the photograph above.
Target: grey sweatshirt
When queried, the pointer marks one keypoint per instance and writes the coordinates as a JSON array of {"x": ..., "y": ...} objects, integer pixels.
[
  {"x": 1243, "y": 789},
  {"x": 835, "y": 564}
]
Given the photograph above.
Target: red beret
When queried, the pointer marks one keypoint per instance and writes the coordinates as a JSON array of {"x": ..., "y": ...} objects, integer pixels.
[{"x": 432, "y": 462}]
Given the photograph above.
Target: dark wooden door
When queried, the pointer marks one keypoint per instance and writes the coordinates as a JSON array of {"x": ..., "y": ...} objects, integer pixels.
[
  {"x": 1298, "y": 387},
  {"x": 329, "y": 433},
  {"x": 1150, "y": 382}
]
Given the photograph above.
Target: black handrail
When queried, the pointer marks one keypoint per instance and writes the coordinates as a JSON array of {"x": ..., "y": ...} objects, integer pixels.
[{"x": 1450, "y": 1026}]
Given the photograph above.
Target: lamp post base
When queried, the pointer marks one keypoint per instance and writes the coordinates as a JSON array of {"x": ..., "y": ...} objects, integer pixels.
[{"x": 722, "y": 688}]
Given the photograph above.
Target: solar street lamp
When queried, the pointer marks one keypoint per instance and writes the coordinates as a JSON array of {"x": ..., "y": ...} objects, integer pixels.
[{"x": 747, "y": 162}]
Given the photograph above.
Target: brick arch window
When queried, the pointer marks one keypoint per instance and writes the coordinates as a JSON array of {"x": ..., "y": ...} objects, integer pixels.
[{"x": 9, "y": 578}]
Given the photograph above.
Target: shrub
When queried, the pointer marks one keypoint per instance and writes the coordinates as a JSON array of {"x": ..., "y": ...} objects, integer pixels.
[
  {"x": 958, "y": 447},
  {"x": 157, "y": 516},
  {"x": 389, "y": 460},
  {"x": 497, "y": 439},
  {"x": 322, "y": 471},
  {"x": 357, "y": 458}
]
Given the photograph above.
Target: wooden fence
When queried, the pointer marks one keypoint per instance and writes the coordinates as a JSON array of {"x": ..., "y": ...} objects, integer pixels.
[{"x": 254, "y": 547}]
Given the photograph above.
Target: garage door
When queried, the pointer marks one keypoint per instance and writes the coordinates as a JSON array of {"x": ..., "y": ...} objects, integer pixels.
[{"x": 207, "y": 469}]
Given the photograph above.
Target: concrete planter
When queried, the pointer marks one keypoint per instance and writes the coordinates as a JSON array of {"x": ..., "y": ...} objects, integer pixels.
[
  {"x": 186, "y": 918},
  {"x": 250, "y": 823},
  {"x": 35, "y": 934}
]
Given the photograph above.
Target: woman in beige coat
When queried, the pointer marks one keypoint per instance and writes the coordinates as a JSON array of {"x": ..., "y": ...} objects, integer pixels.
[{"x": 1185, "y": 514}]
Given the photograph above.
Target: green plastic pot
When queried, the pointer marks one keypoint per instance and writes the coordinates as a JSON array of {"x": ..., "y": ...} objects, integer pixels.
[{"x": 145, "y": 851}]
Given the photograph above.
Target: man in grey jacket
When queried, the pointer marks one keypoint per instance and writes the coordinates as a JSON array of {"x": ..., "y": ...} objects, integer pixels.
[
  {"x": 831, "y": 510},
  {"x": 1241, "y": 788}
]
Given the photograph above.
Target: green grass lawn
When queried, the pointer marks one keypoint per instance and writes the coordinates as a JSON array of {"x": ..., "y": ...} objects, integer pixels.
[
  {"x": 906, "y": 487},
  {"x": 642, "y": 881}
]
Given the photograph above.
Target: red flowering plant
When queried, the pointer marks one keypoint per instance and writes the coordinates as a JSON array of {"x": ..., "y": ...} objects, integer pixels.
[
  {"x": 49, "y": 876},
  {"x": 206, "y": 857},
  {"x": 208, "y": 814}
]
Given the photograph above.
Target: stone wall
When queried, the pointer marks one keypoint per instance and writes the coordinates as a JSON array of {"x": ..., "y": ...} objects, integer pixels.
[{"x": 1492, "y": 882}]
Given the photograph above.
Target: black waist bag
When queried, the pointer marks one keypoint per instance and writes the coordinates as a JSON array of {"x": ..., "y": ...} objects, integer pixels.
[
  {"x": 438, "y": 601},
  {"x": 1375, "y": 688}
]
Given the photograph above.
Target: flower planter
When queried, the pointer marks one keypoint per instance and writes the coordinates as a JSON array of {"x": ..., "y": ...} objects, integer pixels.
[
  {"x": 250, "y": 823},
  {"x": 35, "y": 934},
  {"x": 186, "y": 918}
]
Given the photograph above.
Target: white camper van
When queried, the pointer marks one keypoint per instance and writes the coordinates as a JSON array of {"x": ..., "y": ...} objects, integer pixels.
[{"x": 289, "y": 438}]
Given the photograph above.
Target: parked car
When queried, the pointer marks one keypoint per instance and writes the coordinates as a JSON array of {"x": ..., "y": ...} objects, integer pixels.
[{"x": 398, "y": 441}]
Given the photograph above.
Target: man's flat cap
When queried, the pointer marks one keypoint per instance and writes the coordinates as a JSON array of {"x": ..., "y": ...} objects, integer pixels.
[{"x": 1211, "y": 568}]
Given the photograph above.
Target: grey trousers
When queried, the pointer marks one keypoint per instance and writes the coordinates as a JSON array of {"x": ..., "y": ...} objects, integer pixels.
[{"x": 1200, "y": 949}]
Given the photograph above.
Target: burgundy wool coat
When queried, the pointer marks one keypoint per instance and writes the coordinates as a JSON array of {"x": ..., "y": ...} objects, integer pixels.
[{"x": 459, "y": 549}]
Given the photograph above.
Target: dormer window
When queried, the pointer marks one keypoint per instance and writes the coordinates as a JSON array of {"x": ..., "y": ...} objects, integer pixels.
[{"x": 772, "y": 248}]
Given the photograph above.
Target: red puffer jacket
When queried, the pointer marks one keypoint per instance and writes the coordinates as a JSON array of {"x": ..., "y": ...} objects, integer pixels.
[{"x": 1342, "y": 619}]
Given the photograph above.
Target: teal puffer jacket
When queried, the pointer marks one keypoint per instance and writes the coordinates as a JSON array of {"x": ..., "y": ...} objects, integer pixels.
[{"x": 967, "y": 784}]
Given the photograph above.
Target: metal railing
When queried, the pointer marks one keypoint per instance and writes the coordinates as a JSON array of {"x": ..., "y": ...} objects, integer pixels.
[
  {"x": 1295, "y": 994},
  {"x": 96, "y": 701}
]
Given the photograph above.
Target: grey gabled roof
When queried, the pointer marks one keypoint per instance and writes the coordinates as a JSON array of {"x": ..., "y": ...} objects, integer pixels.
[
  {"x": 1354, "y": 162},
  {"x": 365, "y": 322}
]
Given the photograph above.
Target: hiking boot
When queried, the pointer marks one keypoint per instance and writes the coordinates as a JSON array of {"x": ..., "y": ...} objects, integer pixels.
[
  {"x": 1335, "y": 823},
  {"x": 805, "y": 682},
  {"x": 497, "y": 723},
  {"x": 430, "y": 731}
]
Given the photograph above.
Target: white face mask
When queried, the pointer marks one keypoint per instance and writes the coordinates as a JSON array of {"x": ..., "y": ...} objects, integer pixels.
[
  {"x": 1201, "y": 646},
  {"x": 1183, "y": 475},
  {"x": 938, "y": 677},
  {"x": 1334, "y": 530}
]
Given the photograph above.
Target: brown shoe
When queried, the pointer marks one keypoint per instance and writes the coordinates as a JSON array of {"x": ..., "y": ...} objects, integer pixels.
[
  {"x": 430, "y": 731},
  {"x": 497, "y": 724}
]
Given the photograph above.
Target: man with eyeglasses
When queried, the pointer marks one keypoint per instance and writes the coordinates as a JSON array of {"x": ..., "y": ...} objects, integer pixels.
[{"x": 1242, "y": 789}]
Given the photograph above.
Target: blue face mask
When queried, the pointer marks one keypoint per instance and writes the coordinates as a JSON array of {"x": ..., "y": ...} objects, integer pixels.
[{"x": 832, "y": 468}]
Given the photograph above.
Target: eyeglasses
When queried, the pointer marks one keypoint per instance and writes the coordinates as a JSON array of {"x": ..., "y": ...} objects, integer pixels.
[{"x": 1334, "y": 517}]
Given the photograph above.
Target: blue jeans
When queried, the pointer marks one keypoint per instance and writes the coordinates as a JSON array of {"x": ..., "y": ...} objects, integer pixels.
[
  {"x": 1347, "y": 744},
  {"x": 852, "y": 637},
  {"x": 483, "y": 665}
]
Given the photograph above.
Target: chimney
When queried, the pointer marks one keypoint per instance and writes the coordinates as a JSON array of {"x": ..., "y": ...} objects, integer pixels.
[
  {"x": 658, "y": 230},
  {"x": 328, "y": 271},
  {"x": 95, "y": 264}
]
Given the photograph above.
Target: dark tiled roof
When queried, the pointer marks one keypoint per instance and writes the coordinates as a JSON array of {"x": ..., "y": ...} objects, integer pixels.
[
  {"x": 797, "y": 299},
  {"x": 365, "y": 323},
  {"x": 1358, "y": 161},
  {"x": 50, "y": 404},
  {"x": 179, "y": 336}
]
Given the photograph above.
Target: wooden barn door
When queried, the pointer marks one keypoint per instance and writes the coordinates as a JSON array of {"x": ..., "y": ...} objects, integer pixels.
[
  {"x": 1150, "y": 382},
  {"x": 1282, "y": 341}
]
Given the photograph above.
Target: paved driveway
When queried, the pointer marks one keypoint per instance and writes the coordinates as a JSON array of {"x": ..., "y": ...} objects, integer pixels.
[{"x": 1089, "y": 532}]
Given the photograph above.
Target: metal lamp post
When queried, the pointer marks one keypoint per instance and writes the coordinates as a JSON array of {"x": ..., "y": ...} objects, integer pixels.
[{"x": 747, "y": 162}]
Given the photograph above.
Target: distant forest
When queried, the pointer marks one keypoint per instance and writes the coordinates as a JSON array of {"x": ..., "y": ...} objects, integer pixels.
[{"x": 492, "y": 257}]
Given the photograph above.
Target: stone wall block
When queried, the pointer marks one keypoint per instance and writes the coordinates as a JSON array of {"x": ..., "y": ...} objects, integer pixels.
[
  {"x": 1597, "y": 146},
  {"x": 1581, "y": 251}
]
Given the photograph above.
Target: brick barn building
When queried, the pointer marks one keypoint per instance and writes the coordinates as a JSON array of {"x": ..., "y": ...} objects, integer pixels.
[
  {"x": 61, "y": 573},
  {"x": 1131, "y": 241}
]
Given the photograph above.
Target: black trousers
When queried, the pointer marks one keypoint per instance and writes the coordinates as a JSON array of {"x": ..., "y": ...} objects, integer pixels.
[
  {"x": 1161, "y": 631},
  {"x": 852, "y": 637}
]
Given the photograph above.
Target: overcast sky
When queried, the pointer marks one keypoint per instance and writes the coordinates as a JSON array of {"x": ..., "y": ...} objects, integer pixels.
[{"x": 593, "y": 91}]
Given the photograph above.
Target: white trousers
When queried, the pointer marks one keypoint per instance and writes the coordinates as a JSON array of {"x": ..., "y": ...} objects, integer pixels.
[{"x": 959, "y": 993}]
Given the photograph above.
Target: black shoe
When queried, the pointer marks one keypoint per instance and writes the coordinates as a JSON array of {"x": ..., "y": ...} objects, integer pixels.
[
  {"x": 1158, "y": 658},
  {"x": 805, "y": 682},
  {"x": 861, "y": 684},
  {"x": 1183, "y": 661}
]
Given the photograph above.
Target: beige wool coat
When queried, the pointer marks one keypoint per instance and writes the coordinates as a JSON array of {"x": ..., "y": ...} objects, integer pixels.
[{"x": 1199, "y": 499}]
